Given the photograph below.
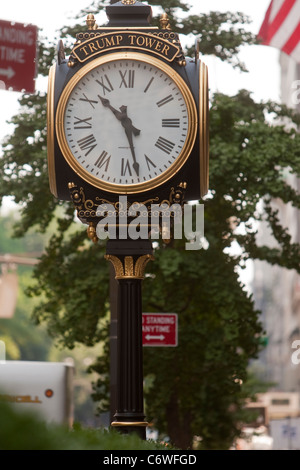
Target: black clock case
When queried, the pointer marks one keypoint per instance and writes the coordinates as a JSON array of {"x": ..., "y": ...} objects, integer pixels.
[{"x": 189, "y": 172}]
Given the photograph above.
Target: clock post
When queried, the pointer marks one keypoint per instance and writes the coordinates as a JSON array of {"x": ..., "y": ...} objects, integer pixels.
[
  {"x": 129, "y": 259},
  {"x": 127, "y": 117}
]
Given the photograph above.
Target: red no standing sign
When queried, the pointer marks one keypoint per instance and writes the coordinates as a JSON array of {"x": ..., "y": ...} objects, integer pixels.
[
  {"x": 18, "y": 49},
  {"x": 159, "y": 329}
]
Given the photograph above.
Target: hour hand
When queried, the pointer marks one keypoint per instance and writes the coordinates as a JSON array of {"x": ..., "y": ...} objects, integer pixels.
[
  {"x": 106, "y": 104},
  {"x": 127, "y": 125}
]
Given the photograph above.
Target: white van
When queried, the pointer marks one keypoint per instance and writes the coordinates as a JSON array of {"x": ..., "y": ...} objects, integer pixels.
[{"x": 45, "y": 388}]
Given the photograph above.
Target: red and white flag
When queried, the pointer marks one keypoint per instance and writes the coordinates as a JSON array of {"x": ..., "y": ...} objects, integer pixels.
[{"x": 281, "y": 27}]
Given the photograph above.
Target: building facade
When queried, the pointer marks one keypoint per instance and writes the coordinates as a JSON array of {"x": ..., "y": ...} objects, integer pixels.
[{"x": 277, "y": 290}]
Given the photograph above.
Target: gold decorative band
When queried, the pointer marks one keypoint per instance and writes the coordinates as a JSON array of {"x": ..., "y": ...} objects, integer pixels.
[
  {"x": 50, "y": 131},
  {"x": 204, "y": 129},
  {"x": 129, "y": 423}
]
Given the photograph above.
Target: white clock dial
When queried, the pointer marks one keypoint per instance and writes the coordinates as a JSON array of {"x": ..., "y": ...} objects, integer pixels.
[{"x": 127, "y": 122}]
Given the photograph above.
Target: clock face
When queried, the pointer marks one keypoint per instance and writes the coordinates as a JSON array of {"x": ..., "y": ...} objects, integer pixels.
[{"x": 126, "y": 122}]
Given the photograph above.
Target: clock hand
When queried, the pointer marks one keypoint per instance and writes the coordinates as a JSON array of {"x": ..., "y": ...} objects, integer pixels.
[
  {"x": 127, "y": 125},
  {"x": 107, "y": 104},
  {"x": 129, "y": 132},
  {"x": 127, "y": 122},
  {"x": 121, "y": 116}
]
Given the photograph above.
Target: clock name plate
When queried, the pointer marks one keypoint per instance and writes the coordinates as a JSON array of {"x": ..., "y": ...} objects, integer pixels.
[{"x": 98, "y": 43}]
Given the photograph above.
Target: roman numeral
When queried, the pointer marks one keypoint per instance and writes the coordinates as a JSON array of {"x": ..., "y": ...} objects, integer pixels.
[
  {"x": 82, "y": 123},
  {"x": 103, "y": 160},
  {"x": 125, "y": 167},
  {"x": 92, "y": 102},
  {"x": 149, "y": 162},
  {"x": 127, "y": 78},
  {"x": 148, "y": 86},
  {"x": 170, "y": 123},
  {"x": 105, "y": 87},
  {"x": 165, "y": 145},
  {"x": 164, "y": 101},
  {"x": 87, "y": 143}
]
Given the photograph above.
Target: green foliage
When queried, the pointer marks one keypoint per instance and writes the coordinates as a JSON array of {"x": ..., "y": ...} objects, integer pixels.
[
  {"x": 218, "y": 332},
  {"x": 23, "y": 341},
  {"x": 249, "y": 161},
  {"x": 23, "y": 170},
  {"x": 23, "y": 431},
  {"x": 74, "y": 288},
  {"x": 31, "y": 243}
]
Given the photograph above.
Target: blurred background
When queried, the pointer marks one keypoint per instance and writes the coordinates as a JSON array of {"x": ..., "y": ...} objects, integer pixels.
[{"x": 272, "y": 75}]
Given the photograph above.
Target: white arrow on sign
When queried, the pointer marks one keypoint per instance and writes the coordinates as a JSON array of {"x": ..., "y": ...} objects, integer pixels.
[
  {"x": 9, "y": 72},
  {"x": 149, "y": 337}
]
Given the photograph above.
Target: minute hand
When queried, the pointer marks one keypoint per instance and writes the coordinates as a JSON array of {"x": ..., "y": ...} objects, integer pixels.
[{"x": 128, "y": 127}]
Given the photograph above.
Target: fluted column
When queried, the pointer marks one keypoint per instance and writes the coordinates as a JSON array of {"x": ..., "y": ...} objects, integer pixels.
[{"x": 129, "y": 258}]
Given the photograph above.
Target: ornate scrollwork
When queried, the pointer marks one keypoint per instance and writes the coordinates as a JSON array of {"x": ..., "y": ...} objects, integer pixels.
[
  {"x": 87, "y": 208},
  {"x": 177, "y": 194}
]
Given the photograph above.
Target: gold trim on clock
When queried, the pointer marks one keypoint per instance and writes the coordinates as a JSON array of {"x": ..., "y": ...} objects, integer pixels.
[
  {"x": 203, "y": 129},
  {"x": 136, "y": 187},
  {"x": 50, "y": 131}
]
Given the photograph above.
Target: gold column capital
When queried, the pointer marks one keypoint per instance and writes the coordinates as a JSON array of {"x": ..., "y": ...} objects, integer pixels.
[{"x": 128, "y": 267}]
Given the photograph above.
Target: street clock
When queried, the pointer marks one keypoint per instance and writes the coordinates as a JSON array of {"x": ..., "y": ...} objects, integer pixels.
[{"x": 127, "y": 115}]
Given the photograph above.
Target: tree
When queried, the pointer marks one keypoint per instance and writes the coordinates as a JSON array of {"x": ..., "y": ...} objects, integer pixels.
[
  {"x": 19, "y": 332},
  {"x": 197, "y": 388},
  {"x": 219, "y": 327}
]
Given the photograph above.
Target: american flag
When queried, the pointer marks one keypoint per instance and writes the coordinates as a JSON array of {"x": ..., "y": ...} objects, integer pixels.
[{"x": 281, "y": 27}]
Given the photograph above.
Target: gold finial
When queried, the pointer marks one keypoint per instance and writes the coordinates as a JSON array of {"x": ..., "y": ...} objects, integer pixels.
[
  {"x": 91, "y": 232},
  {"x": 91, "y": 22},
  {"x": 164, "y": 21}
]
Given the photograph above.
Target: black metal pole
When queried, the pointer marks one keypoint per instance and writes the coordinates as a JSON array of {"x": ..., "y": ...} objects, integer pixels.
[
  {"x": 113, "y": 297},
  {"x": 130, "y": 407},
  {"x": 129, "y": 258}
]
